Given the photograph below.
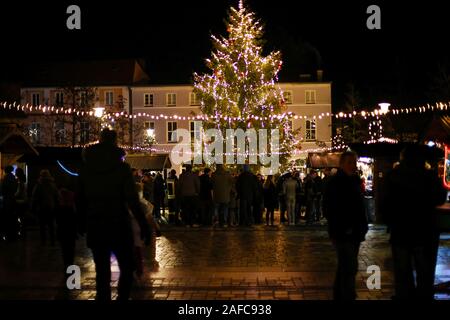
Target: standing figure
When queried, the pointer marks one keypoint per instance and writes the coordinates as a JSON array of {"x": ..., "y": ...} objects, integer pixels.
[
  {"x": 411, "y": 195},
  {"x": 43, "y": 204},
  {"x": 8, "y": 215},
  {"x": 347, "y": 223},
  {"x": 189, "y": 186},
  {"x": 106, "y": 195},
  {"x": 222, "y": 183},
  {"x": 270, "y": 199},
  {"x": 290, "y": 187}
]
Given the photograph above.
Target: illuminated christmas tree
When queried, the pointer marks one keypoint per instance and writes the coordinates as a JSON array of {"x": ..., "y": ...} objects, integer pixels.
[{"x": 241, "y": 90}]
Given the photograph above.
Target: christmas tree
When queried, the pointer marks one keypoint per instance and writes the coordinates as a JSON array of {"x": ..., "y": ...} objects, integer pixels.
[{"x": 241, "y": 90}]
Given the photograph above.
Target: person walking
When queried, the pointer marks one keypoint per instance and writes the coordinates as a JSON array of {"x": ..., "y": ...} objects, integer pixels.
[
  {"x": 347, "y": 223},
  {"x": 44, "y": 202},
  {"x": 106, "y": 194},
  {"x": 411, "y": 194},
  {"x": 270, "y": 199},
  {"x": 189, "y": 188},
  {"x": 222, "y": 183}
]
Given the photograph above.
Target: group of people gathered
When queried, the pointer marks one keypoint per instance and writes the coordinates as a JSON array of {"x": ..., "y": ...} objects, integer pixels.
[{"x": 223, "y": 198}]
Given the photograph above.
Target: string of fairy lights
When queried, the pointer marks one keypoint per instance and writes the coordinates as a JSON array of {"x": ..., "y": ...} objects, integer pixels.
[{"x": 53, "y": 110}]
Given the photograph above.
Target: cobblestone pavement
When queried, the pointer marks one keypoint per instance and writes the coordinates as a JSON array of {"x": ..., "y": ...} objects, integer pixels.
[{"x": 236, "y": 263}]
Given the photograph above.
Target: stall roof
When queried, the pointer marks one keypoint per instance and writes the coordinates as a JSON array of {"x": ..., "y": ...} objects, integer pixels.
[
  {"x": 156, "y": 162},
  {"x": 323, "y": 160},
  {"x": 17, "y": 143},
  {"x": 50, "y": 154},
  {"x": 439, "y": 130}
]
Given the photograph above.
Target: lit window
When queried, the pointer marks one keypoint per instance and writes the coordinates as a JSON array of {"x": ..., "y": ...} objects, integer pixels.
[
  {"x": 60, "y": 132},
  {"x": 35, "y": 132},
  {"x": 195, "y": 130},
  {"x": 84, "y": 132},
  {"x": 310, "y": 130},
  {"x": 171, "y": 131}
]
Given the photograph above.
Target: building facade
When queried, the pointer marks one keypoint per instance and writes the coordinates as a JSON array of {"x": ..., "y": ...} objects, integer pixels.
[{"x": 124, "y": 89}]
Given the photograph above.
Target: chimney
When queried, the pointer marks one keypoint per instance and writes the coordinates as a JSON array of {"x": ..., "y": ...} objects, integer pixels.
[{"x": 319, "y": 75}]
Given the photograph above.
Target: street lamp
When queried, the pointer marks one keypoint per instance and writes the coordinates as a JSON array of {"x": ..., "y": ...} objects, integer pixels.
[
  {"x": 150, "y": 133},
  {"x": 384, "y": 107},
  {"x": 98, "y": 112}
]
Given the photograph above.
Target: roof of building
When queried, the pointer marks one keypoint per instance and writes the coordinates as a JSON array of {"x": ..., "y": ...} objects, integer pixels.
[{"x": 85, "y": 73}]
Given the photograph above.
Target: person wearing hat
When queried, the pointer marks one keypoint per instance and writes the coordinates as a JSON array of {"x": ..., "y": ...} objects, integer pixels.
[{"x": 44, "y": 200}]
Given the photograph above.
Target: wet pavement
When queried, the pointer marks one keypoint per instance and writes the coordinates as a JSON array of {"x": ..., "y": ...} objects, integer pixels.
[{"x": 257, "y": 262}]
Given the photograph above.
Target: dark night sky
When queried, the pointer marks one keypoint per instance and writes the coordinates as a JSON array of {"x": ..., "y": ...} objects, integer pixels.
[{"x": 394, "y": 64}]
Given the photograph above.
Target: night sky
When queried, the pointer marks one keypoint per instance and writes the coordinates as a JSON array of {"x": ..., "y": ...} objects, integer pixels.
[{"x": 397, "y": 63}]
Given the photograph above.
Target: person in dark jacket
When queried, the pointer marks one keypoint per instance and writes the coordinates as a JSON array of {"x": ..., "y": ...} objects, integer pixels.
[
  {"x": 21, "y": 197},
  {"x": 222, "y": 182},
  {"x": 107, "y": 194},
  {"x": 206, "y": 202},
  {"x": 411, "y": 195},
  {"x": 281, "y": 197},
  {"x": 66, "y": 222},
  {"x": 270, "y": 199},
  {"x": 347, "y": 223},
  {"x": 159, "y": 194},
  {"x": 189, "y": 188},
  {"x": 8, "y": 212},
  {"x": 246, "y": 187},
  {"x": 44, "y": 202}
]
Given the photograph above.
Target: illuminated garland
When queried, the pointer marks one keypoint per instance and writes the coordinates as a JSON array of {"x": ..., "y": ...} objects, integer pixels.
[{"x": 52, "y": 110}]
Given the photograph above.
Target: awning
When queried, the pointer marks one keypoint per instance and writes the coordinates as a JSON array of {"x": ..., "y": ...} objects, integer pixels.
[
  {"x": 323, "y": 160},
  {"x": 157, "y": 162}
]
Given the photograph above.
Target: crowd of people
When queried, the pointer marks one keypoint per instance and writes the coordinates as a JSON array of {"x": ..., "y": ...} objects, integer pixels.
[
  {"x": 120, "y": 208},
  {"x": 223, "y": 198}
]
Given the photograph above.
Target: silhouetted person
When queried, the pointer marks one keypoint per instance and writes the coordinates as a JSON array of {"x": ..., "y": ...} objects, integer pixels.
[
  {"x": 8, "y": 214},
  {"x": 107, "y": 189},
  {"x": 270, "y": 199},
  {"x": 66, "y": 223},
  {"x": 290, "y": 187},
  {"x": 44, "y": 203},
  {"x": 206, "y": 203},
  {"x": 173, "y": 203},
  {"x": 159, "y": 194},
  {"x": 246, "y": 188},
  {"x": 21, "y": 198},
  {"x": 222, "y": 183},
  {"x": 189, "y": 186},
  {"x": 347, "y": 223},
  {"x": 411, "y": 195},
  {"x": 258, "y": 201},
  {"x": 281, "y": 198}
]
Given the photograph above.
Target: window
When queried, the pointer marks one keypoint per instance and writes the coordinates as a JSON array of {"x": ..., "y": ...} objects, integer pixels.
[
  {"x": 193, "y": 101},
  {"x": 35, "y": 99},
  {"x": 171, "y": 99},
  {"x": 149, "y": 125},
  {"x": 195, "y": 130},
  {"x": 171, "y": 132},
  {"x": 84, "y": 132},
  {"x": 109, "y": 98},
  {"x": 148, "y": 99},
  {"x": 287, "y": 95},
  {"x": 59, "y": 99},
  {"x": 60, "y": 132},
  {"x": 310, "y": 96},
  {"x": 83, "y": 98},
  {"x": 35, "y": 132},
  {"x": 291, "y": 124},
  {"x": 310, "y": 132}
]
